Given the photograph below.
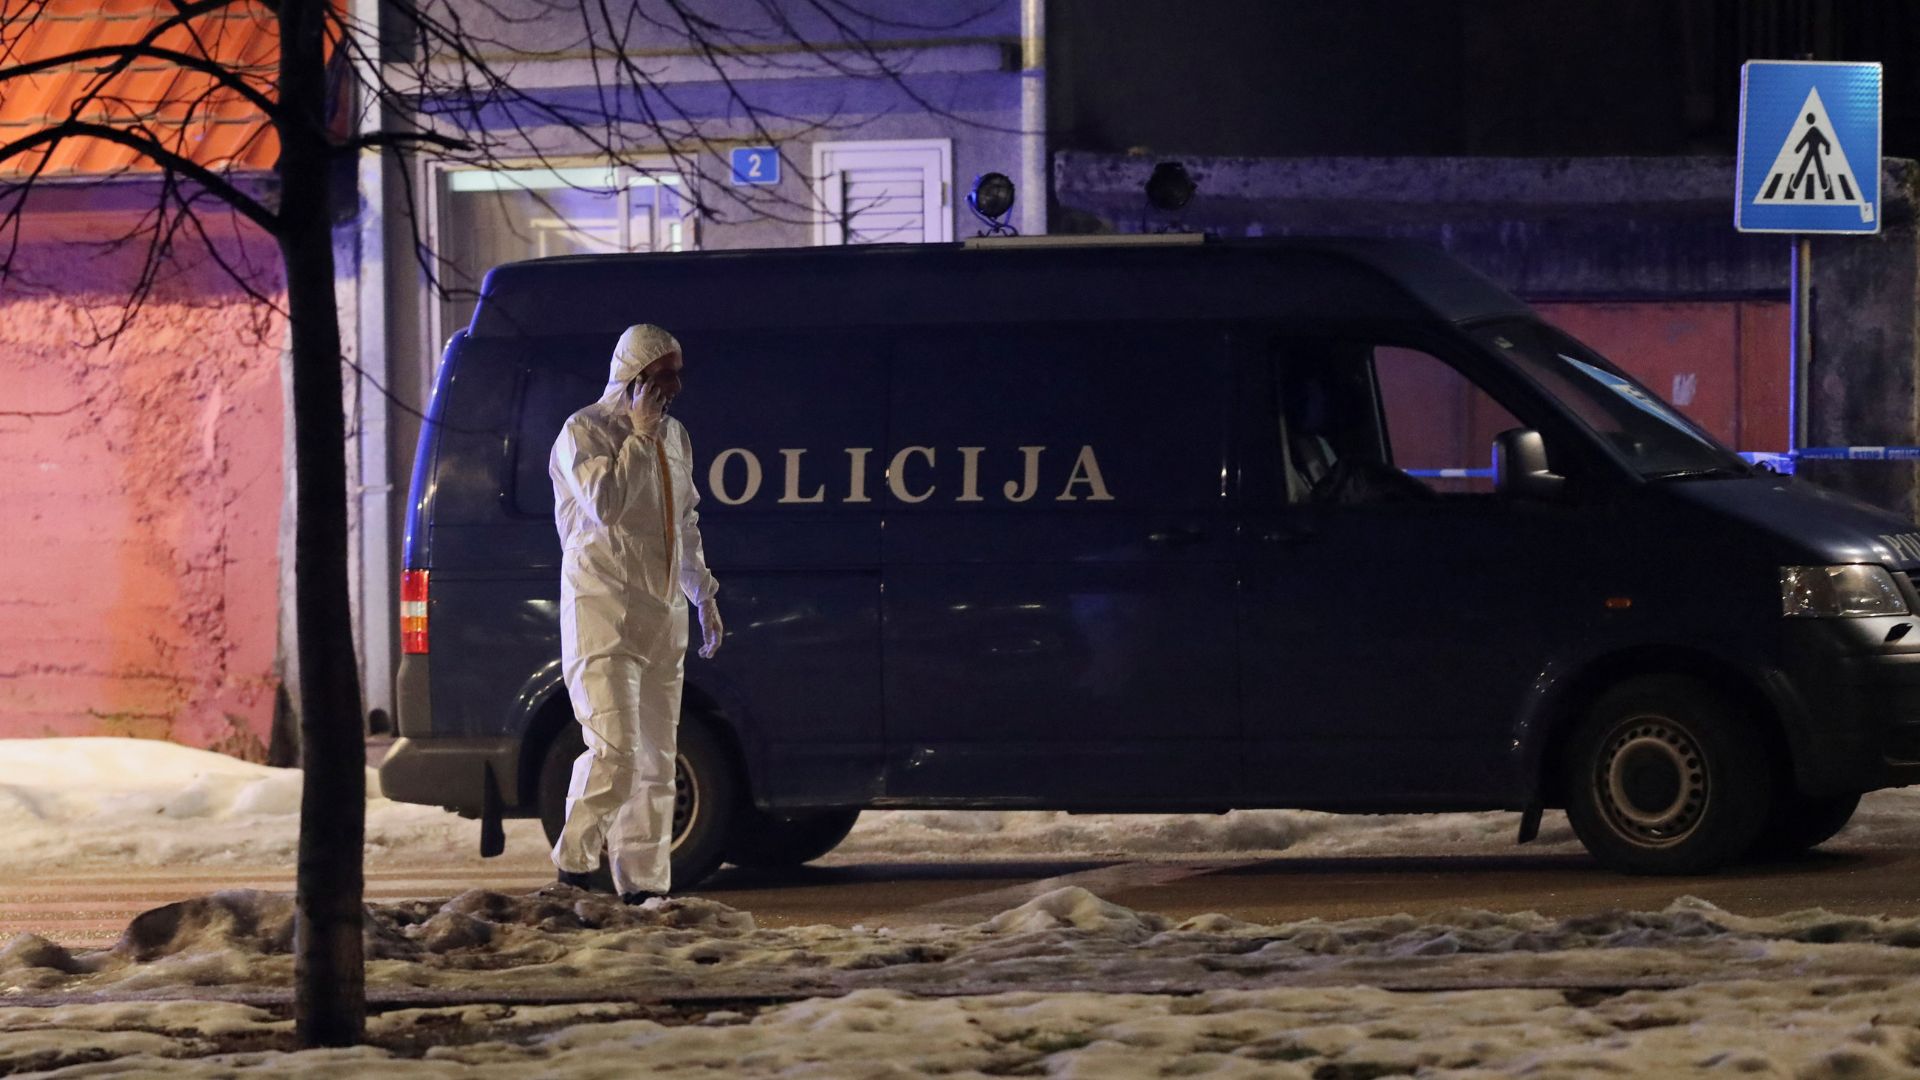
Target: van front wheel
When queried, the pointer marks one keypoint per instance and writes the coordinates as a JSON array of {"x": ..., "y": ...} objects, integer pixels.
[
  {"x": 707, "y": 794},
  {"x": 1662, "y": 778}
]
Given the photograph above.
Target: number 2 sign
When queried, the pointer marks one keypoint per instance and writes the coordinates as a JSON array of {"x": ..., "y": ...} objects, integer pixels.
[{"x": 756, "y": 165}]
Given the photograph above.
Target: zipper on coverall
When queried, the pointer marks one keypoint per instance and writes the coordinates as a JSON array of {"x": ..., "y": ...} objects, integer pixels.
[{"x": 666, "y": 502}]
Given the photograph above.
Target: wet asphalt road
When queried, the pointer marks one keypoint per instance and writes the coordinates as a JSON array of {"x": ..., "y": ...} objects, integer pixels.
[
  {"x": 1857, "y": 881},
  {"x": 89, "y": 908}
]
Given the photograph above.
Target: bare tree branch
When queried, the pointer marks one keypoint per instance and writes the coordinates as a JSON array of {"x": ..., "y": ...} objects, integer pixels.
[{"x": 402, "y": 139}]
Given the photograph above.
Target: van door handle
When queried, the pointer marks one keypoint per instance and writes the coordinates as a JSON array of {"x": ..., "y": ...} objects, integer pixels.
[{"x": 1176, "y": 536}]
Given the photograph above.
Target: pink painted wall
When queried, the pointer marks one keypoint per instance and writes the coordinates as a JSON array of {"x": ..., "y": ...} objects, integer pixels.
[{"x": 139, "y": 501}]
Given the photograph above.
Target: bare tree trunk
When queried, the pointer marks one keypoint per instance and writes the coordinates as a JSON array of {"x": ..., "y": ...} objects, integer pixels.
[{"x": 329, "y": 971}]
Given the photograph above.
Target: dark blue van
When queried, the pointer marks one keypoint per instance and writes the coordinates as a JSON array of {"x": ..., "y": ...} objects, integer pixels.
[{"x": 1160, "y": 524}]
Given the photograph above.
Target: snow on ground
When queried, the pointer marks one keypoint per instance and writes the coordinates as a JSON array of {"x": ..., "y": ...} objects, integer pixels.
[
  {"x": 1065, "y": 985},
  {"x": 145, "y": 803},
  {"x": 1820, "y": 1030},
  {"x": 911, "y": 834},
  {"x": 562, "y": 940},
  {"x": 1885, "y": 818}
]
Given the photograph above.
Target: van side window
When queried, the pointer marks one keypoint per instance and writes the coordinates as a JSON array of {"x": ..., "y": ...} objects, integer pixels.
[
  {"x": 1437, "y": 421},
  {"x": 1362, "y": 423}
]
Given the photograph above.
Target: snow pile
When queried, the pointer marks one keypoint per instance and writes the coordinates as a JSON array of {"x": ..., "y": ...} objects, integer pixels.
[
  {"x": 1473, "y": 993},
  {"x": 1057, "y": 833},
  {"x": 70, "y": 780},
  {"x": 245, "y": 936},
  {"x": 1812, "y": 1027},
  {"x": 963, "y": 833},
  {"x": 564, "y": 940},
  {"x": 143, "y": 802},
  {"x": 1886, "y": 818},
  {"x": 1074, "y": 908}
]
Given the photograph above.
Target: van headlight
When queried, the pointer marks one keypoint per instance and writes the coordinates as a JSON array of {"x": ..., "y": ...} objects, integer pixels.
[{"x": 1825, "y": 591}]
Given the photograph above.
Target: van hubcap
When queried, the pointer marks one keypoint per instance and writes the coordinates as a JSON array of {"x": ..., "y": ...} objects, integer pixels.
[
  {"x": 1652, "y": 782},
  {"x": 686, "y": 798}
]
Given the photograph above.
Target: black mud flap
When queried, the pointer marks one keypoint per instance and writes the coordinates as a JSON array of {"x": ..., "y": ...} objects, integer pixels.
[
  {"x": 493, "y": 835},
  {"x": 1529, "y": 823}
]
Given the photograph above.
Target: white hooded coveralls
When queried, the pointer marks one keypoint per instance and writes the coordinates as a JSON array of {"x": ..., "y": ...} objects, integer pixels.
[{"x": 631, "y": 559}]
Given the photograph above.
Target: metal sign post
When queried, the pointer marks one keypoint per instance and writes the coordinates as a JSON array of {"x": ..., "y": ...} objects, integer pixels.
[
  {"x": 1809, "y": 162},
  {"x": 1800, "y": 356}
]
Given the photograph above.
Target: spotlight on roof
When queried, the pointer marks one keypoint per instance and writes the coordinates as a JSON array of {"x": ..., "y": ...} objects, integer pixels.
[
  {"x": 991, "y": 200},
  {"x": 1170, "y": 188}
]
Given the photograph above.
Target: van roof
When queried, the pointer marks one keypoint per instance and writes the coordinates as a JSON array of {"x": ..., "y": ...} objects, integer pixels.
[{"x": 929, "y": 284}]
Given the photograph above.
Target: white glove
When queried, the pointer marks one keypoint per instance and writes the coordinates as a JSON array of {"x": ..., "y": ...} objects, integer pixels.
[
  {"x": 644, "y": 412},
  {"x": 711, "y": 629}
]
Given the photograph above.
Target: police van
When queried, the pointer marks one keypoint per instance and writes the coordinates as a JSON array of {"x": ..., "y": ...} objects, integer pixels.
[{"x": 1159, "y": 524}]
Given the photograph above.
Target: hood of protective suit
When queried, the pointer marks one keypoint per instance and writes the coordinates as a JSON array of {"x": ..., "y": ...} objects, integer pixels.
[{"x": 639, "y": 346}]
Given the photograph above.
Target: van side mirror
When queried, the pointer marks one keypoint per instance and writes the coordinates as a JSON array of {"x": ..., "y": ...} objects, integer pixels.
[{"x": 1520, "y": 466}]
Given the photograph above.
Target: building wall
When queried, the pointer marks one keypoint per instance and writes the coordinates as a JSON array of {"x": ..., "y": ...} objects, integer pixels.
[
  {"x": 952, "y": 71},
  {"x": 1508, "y": 77},
  {"x": 142, "y": 481}
]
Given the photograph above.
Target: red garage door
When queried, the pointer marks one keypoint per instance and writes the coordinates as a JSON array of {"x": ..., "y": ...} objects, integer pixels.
[{"x": 1724, "y": 363}]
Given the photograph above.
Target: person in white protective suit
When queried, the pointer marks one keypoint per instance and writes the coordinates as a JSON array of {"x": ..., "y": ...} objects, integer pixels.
[{"x": 631, "y": 562}]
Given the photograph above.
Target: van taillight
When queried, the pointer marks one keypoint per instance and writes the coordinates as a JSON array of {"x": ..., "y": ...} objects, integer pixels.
[{"x": 413, "y": 611}]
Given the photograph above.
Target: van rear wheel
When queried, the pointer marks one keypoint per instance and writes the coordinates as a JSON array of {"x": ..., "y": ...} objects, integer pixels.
[
  {"x": 706, "y": 797},
  {"x": 775, "y": 841},
  {"x": 1663, "y": 778}
]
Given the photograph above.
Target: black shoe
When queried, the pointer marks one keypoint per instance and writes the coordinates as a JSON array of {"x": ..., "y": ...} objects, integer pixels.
[
  {"x": 636, "y": 898},
  {"x": 578, "y": 881}
]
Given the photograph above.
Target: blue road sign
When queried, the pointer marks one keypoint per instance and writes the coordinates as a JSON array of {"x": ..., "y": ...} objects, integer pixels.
[
  {"x": 1809, "y": 148},
  {"x": 756, "y": 165}
]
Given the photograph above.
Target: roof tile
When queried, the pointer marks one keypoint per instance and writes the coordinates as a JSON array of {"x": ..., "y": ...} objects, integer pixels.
[{"x": 187, "y": 111}]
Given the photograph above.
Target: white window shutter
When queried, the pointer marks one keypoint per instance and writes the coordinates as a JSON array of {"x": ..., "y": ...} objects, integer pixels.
[{"x": 892, "y": 192}]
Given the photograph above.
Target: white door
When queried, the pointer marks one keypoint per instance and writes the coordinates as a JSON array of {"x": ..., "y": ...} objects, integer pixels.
[{"x": 883, "y": 192}]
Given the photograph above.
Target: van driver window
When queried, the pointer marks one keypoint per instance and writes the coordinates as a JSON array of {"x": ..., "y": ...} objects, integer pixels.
[
  {"x": 1437, "y": 421},
  {"x": 1375, "y": 424}
]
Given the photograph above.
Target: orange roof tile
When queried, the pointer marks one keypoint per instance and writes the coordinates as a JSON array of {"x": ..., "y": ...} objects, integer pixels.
[{"x": 186, "y": 110}]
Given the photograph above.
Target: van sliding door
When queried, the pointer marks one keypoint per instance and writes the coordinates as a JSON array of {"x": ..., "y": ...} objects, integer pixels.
[
  {"x": 781, "y": 422},
  {"x": 1057, "y": 617}
]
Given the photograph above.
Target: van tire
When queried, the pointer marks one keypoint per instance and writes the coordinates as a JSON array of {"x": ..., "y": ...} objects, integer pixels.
[
  {"x": 1800, "y": 823},
  {"x": 1663, "y": 778},
  {"x": 767, "y": 841},
  {"x": 705, "y": 808}
]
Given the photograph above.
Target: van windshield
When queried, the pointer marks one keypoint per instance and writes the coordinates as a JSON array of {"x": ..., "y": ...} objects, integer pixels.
[{"x": 1654, "y": 437}]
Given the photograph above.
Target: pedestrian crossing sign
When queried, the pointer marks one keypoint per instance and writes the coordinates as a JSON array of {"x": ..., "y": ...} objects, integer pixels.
[{"x": 1809, "y": 156}]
